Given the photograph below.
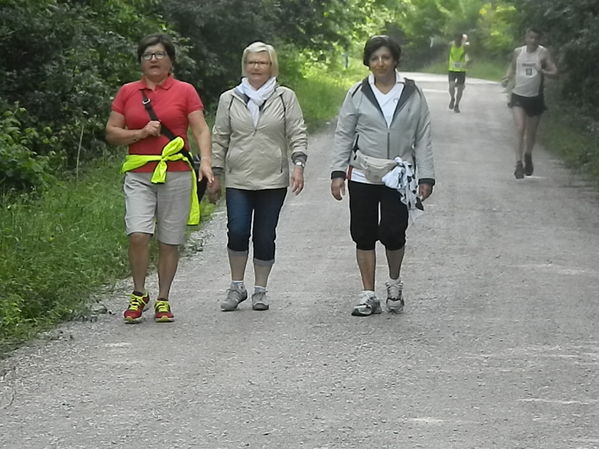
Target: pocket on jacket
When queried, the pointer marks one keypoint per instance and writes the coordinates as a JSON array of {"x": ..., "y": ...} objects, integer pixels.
[{"x": 237, "y": 158}]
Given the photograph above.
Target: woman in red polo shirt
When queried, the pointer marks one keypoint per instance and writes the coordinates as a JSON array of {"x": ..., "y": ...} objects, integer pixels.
[{"x": 162, "y": 208}]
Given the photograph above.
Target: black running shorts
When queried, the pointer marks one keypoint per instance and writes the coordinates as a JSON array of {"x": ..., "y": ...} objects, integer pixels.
[
  {"x": 457, "y": 77},
  {"x": 533, "y": 106}
]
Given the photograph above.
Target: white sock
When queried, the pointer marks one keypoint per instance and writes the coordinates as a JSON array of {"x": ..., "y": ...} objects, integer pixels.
[
  {"x": 258, "y": 289},
  {"x": 237, "y": 285}
]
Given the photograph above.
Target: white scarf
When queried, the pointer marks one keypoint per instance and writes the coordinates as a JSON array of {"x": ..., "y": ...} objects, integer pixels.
[
  {"x": 257, "y": 97},
  {"x": 402, "y": 179}
]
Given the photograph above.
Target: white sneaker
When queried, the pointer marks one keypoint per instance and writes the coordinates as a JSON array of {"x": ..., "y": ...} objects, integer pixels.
[
  {"x": 395, "y": 302},
  {"x": 259, "y": 301},
  {"x": 368, "y": 305}
]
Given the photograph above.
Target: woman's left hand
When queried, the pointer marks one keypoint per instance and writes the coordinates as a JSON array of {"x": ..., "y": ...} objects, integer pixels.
[
  {"x": 425, "y": 190},
  {"x": 297, "y": 179}
]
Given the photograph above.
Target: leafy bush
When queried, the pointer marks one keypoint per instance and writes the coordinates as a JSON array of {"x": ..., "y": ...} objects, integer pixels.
[
  {"x": 21, "y": 169},
  {"x": 63, "y": 61}
]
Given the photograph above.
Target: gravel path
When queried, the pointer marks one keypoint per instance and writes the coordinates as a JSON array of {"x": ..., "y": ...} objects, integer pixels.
[{"x": 498, "y": 348}]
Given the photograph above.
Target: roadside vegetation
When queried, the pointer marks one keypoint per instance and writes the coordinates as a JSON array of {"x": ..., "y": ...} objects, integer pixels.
[
  {"x": 61, "y": 208},
  {"x": 321, "y": 89},
  {"x": 59, "y": 247},
  {"x": 573, "y": 136}
]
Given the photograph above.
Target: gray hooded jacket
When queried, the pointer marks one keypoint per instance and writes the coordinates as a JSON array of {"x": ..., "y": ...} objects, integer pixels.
[{"x": 362, "y": 126}]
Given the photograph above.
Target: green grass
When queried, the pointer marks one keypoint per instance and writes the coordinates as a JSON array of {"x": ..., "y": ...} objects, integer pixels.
[
  {"x": 57, "y": 249},
  {"x": 572, "y": 136},
  {"x": 321, "y": 91},
  {"x": 320, "y": 99},
  {"x": 61, "y": 248}
]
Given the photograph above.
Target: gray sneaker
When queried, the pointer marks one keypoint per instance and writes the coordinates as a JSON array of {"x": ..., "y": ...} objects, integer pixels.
[
  {"x": 234, "y": 297},
  {"x": 368, "y": 305},
  {"x": 519, "y": 171},
  {"x": 395, "y": 302},
  {"x": 528, "y": 167},
  {"x": 259, "y": 301}
]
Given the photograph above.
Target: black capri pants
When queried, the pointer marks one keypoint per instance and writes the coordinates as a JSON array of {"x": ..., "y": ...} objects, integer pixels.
[{"x": 367, "y": 226}]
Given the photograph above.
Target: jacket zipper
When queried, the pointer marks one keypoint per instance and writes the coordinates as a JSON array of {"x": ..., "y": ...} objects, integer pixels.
[{"x": 283, "y": 154}]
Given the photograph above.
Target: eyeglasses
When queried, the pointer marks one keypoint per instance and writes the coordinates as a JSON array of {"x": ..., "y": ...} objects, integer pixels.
[
  {"x": 157, "y": 54},
  {"x": 258, "y": 63}
]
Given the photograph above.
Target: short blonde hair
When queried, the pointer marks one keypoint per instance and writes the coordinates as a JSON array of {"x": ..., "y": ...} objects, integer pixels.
[{"x": 258, "y": 47}]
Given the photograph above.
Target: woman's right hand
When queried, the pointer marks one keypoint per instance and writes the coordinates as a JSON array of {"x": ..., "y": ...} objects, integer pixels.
[
  {"x": 338, "y": 188},
  {"x": 117, "y": 132},
  {"x": 152, "y": 128}
]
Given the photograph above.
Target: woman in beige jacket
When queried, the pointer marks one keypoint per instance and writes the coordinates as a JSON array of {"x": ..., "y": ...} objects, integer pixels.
[{"x": 259, "y": 128}]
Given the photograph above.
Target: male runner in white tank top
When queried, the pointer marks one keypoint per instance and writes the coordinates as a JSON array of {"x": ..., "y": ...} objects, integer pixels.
[{"x": 530, "y": 64}]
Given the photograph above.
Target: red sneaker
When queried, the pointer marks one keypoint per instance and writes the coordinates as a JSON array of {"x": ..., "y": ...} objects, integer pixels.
[
  {"x": 162, "y": 311},
  {"x": 137, "y": 305}
]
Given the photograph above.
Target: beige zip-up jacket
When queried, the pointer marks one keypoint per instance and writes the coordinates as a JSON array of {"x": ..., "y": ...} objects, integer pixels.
[{"x": 257, "y": 158}]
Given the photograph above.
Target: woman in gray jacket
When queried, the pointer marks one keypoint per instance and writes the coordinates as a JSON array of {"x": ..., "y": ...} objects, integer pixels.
[
  {"x": 259, "y": 128},
  {"x": 384, "y": 124}
]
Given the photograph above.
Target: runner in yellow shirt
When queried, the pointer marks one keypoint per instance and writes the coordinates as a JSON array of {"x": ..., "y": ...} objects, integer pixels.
[{"x": 458, "y": 60}]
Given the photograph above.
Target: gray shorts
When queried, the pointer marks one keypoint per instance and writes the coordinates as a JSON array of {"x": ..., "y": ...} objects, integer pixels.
[{"x": 161, "y": 206}]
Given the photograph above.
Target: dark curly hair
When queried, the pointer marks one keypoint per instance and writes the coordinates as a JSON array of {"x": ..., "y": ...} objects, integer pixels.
[{"x": 378, "y": 41}]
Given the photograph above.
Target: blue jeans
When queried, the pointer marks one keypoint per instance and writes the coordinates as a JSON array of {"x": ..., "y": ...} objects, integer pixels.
[{"x": 264, "y": 206}]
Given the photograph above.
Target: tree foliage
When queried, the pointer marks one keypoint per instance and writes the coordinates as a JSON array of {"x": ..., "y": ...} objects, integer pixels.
[
  {"x": 497, "y": 28},
  {"x": 20, "y": 167},
  {"x": 61, "y": 64},
  {"x": 217, "y": 33}
]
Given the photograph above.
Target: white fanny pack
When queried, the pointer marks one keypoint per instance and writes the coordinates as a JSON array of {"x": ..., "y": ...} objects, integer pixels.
[{"x": 374, "y": 168}]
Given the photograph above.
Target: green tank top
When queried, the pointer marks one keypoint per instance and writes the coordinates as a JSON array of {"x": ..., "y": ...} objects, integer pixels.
[{"x": 457, "y": 59}]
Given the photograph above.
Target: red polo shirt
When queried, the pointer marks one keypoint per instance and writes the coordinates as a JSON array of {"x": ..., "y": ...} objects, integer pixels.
[{"x": 172, "y": 101}]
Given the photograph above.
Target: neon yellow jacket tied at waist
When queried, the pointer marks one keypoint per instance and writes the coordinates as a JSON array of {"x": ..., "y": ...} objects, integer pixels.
[{"x": 170, "y": 152}]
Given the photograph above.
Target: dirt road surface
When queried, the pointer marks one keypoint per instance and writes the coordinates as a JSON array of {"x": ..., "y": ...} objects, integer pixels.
[{"x": 498, "y": 347}]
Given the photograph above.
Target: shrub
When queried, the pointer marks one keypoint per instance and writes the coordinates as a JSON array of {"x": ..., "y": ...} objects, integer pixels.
[{"x": 21, "y": 168}]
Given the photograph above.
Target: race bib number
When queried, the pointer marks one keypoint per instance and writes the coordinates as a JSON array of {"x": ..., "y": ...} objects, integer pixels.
[{"x": 529, "y": 70}]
